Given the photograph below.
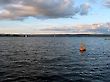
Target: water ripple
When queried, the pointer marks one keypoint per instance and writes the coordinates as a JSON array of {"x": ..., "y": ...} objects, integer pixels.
[{"x": 47, "y": 59}]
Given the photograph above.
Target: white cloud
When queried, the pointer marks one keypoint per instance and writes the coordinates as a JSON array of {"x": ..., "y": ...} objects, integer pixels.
[{"x": 103, "y": 29}]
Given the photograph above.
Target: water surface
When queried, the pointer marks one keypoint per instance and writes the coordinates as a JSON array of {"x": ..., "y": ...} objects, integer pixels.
[{"x": 49, "y": 59}]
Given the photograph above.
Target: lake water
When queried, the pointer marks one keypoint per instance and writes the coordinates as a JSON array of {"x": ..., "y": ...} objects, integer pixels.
[{"x": 48, "y": 59}]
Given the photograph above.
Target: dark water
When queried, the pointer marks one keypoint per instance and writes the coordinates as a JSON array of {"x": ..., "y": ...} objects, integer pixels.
[{"x": 48, "y": 59}]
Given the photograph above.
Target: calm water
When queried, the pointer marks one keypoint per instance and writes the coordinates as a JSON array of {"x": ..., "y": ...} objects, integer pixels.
[{"x": 48, "y": 59}]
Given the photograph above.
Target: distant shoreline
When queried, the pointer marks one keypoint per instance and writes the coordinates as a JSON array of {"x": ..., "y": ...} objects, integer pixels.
[{"x": 54, "y": 35}]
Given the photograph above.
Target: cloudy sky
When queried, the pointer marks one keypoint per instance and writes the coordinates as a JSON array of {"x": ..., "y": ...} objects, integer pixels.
[{"x": 53, "y": 16}]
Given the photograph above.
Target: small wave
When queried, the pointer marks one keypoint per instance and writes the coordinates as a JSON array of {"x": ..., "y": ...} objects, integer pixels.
[{"x": 45, "y": 78}]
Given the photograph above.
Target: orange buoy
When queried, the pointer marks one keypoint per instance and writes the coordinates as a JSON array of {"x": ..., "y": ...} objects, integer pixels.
[{"x": 82, "y": 48}]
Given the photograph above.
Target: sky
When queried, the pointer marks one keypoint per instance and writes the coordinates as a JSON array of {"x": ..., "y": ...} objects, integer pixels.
[{"x": 54, "y": 16}]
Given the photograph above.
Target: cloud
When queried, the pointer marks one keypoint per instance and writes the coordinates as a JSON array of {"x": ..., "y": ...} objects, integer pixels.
[
  {"x": 20, "y": 9},
  {"x": 102, "y": 29},
  {"x": 92, "y": 1},
  {"x": 60, "y": 29},
  {"x": 5, "y": 1},
  {"x": 84, "y": 8},
  {"x": 107, "y": 3}
]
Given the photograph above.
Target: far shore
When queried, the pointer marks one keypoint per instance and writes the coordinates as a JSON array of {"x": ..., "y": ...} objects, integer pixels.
[{"x": 54, "y": 35}]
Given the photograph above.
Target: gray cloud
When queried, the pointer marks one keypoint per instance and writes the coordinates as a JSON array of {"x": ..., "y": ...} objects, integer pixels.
[
  {"x": 84, "y": 8},
  {"x": 20, "y": 9},
  {"x": 5, "y": 1},
  {"x": 107, "y": 3},
  {"x": 60, "y": 29},
  {"x": 93, "y": 1}
]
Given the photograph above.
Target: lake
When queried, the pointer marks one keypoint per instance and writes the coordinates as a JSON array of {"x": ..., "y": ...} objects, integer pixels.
[{"x": 49, "y": 59}]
